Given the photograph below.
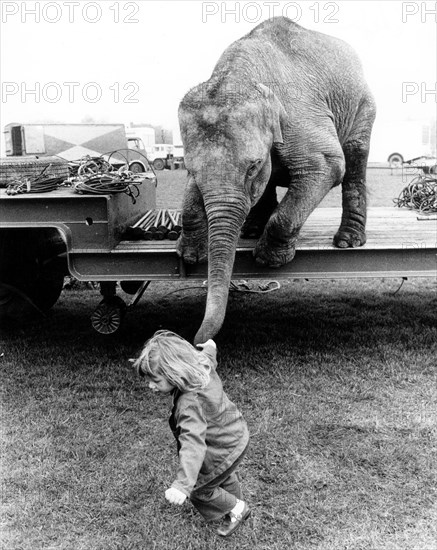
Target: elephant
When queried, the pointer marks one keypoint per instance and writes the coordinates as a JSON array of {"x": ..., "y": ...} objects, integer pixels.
[{"x": 284, "y": 107}]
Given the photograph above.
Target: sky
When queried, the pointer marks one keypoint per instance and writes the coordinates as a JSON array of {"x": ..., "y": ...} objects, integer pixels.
[{"x": 123, "y": 62}]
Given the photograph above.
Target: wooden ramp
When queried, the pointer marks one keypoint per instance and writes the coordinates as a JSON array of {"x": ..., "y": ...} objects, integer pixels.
[{"x": 400, "y": 243}]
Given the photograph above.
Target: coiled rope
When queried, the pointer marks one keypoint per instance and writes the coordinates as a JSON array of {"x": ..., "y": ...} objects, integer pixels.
[
  {"x": 420, "y": 194},
  {"x": 97, "y": 176},
  {"x": 93, "y": 175}
]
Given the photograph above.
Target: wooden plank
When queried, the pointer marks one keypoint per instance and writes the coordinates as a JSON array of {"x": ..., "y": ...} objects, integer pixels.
[
  {"x": 387, "y": 228},
  {"x": 398, "y": 246}
]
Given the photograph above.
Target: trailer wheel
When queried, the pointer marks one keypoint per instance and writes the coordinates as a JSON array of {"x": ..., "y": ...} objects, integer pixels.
[
  {"x": 108, "y": 315},
  {"x": 395, "y": 160},
  {"x": 136, "y": 167},
  {"x": 158, "y": 164},
  {"x": 31, "y": 272}
]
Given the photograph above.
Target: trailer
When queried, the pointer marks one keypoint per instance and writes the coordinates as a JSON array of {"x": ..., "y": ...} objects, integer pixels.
[
  {"x": 87, "y": 237},
  {"x": 404, "y": 141},
  {"x": 72, "y": 141}
]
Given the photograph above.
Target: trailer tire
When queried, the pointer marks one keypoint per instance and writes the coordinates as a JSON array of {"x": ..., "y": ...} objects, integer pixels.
[
  {"x": 31, "y": 272},
  {"x": 158, "y": 164},
  {"x": 136, "y": 167},
  {"x": 108, "y": 315},
  {"x": 395, "y": 160}
]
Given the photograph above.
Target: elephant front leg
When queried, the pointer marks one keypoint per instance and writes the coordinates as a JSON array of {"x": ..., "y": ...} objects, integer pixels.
[
  {"x": 192, "y": 245},
  {"x": 277, "y": 245}
]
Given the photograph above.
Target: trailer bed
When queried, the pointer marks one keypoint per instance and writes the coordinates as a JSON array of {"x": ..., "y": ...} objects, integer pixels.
[{"x": 400, "y": 243}]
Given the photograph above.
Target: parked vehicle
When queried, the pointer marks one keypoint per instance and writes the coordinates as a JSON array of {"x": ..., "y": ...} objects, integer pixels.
[
  {"x": 403, "y": 141},
  {"x": 160, "y": 154},
  {"x": 166, "y": 155},
  {"x": 178, "y": 155},
  {"x": 74, "y": 141},
  {"x": 427, "y": 164}
]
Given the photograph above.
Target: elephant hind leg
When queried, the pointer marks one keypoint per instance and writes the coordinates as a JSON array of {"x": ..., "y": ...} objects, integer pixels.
[{"x": 352, "y": 231}]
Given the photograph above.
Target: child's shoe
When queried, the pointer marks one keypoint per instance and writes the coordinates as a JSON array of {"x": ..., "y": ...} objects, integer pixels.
[{"x": 233, "y": 521}]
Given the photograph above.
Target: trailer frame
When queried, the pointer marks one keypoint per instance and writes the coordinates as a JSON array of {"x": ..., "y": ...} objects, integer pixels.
[{"x": 400, "y": 243}]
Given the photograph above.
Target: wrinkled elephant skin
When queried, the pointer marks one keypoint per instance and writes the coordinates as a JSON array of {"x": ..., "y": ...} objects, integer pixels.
[{"x": 285, "y": 107}]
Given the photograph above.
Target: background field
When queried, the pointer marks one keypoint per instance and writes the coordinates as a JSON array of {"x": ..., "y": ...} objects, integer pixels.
[
  {"x": 336, "y": 379},
  {"x": 384, "y": 184}
]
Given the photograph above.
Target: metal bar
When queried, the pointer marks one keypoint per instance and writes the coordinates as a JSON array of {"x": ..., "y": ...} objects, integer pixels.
[
  {"x": 141, "y": 220},
  {"x": 137, "y": 296},
  {"x": 333, "y": 264},
  {"x": 172, "y": 216}
]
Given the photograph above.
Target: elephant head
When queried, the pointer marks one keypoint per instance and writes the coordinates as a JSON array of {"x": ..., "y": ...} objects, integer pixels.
[{"x": 228, "y": 132}]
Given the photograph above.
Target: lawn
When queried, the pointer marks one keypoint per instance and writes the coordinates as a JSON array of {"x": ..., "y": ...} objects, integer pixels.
[
  {"x": 336, "y": 379},
  {"x": 383, "y": 185}
]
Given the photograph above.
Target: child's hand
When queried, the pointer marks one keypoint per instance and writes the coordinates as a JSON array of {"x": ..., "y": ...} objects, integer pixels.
[
  {"x": 175, "y": 496},
  {"x": 207, "y": 343}
]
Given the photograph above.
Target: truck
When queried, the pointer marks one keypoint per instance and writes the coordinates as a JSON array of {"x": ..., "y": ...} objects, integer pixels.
[
  {"x": 73, "y": 141},
  {"x": 161, "y": 155},
  {"x": 405, "y": 142},
  {"x": 166, "y": 155}
]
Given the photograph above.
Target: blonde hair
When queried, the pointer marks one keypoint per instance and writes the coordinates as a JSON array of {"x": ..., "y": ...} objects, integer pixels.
[{"x": 169, "y": 355}]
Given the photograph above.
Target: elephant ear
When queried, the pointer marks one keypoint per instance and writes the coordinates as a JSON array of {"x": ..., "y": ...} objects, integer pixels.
[{"x": 277, "y": 111}]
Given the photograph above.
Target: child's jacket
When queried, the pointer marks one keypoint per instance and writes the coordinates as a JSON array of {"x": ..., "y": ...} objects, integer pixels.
[{"x": 209, "y": 429}]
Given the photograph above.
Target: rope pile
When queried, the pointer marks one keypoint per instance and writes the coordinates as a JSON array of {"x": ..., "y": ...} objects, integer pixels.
[
  {"x": 42, "y": 183},
  {"x": 252, "y": 287},
  {"x": 156, "y": 225},
  {"x": 420, "y": 194},
  {"x": 95, "y": 175},
  {"x": 88, "y": 165}
]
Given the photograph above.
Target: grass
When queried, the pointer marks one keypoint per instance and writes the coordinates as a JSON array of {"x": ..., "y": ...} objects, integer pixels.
[
  {"x": 336, "y": 379},
  {"x": 383, "y": 186},
  {"x": 337, "y": 383}
]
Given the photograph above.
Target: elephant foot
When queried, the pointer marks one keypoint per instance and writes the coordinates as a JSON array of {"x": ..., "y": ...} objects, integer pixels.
[
  {"x": 349, "y": 238},
  {"x": 277, "y": 256},
  {"x": 192, "y": 249}
]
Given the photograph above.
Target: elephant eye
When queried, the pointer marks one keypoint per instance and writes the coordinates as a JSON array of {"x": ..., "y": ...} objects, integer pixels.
[{"x": 253, "y": 168}]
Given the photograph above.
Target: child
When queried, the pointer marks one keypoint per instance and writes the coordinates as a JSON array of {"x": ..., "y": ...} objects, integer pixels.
[{"x": 211, "y": 434}]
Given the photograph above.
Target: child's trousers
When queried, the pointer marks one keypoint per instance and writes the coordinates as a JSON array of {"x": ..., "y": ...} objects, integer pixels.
[{"x": 220, "y": 495}]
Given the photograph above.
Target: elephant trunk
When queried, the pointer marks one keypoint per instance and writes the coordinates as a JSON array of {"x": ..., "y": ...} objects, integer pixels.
[{"x": 225, "y": 219}]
